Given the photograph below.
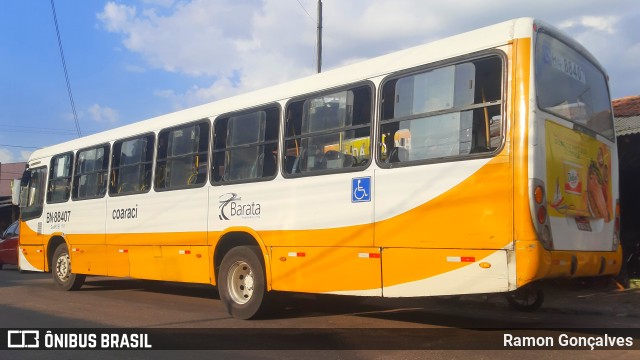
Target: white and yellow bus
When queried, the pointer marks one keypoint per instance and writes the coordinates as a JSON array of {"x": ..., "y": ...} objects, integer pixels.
[{"x": 493, "y": 166}]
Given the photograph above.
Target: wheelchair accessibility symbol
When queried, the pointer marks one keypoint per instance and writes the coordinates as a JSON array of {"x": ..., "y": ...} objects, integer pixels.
[{"x": 361, "y": 189}]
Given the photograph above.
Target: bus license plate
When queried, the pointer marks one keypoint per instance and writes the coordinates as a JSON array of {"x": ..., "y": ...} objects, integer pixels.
[{"x": 583, "y": 223}]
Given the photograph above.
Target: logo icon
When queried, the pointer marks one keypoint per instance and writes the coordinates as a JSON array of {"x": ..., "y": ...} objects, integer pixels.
[
  {"x": 361, "y": 189},
  {"x": 22, "y": 339},
  {"x": 225, "y": 199}
]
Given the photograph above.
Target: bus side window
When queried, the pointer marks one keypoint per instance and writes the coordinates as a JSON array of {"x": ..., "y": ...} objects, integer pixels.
[
  {"x": 182, "y": 156},
  {"x": 444, "y": 112},
  {"x": 131, "y": 163},
  {"x": 245, "y": 146},
  {"x": 60, "y": 178},
  {"x": 90, "y": 173},
  {"x": 328, "y": 132},
  {"x": 294, "y": 154}
]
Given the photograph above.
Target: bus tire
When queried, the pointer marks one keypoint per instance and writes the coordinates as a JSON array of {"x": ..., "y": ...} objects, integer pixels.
[
  {"x": 525, "y": 299},
  {"x": 241, "y": 282},
  {"x": 63, "y": 277}
]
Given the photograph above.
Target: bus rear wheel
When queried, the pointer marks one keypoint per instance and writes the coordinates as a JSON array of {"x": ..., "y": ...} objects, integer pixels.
[
  {"x": 61, "y": 270},
  {"x": 528, "y": 298},
  {"x": 241, "y": 282}
]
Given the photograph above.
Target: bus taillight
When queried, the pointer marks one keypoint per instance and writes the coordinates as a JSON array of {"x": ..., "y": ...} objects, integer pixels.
[
  {"x": 542, "y": 215},
  {"x": 539, "y": 211},
  {"x": 538, "y": 194}
]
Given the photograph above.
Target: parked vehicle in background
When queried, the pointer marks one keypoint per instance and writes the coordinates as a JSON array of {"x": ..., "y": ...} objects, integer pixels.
[{"x": 9, "y": 245}]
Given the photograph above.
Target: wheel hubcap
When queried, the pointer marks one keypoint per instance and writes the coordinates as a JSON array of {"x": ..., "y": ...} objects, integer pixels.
[
  {"x": 240, "y": 282},
  {"x": 62, "y": 267}
]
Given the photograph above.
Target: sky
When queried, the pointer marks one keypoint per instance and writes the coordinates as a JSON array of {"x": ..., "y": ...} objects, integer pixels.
[{"x": 132, "y": 60}]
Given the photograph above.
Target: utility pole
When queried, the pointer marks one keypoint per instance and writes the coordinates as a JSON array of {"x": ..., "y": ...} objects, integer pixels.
[{"x": 319, "y": 39}]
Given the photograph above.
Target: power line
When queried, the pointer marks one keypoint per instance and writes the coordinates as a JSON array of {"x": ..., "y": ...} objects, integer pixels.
[
  {"x": 64, "y": 66},
  {"x": 305, "y": 10},
  {"x": 18, "y": 146},
  {"x": 40, "y": 131},
  {"x": 8, "y": 126}
]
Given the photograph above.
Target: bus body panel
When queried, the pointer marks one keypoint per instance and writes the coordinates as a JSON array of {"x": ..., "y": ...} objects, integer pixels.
[
  {"x": 31, "y": 257},
  {"x": 118, "y": 261},
  {"x": 300, "y": 204},
  {"x": 32, "y": 254},
  {"x": 449, "y": 271},
  {"x": 451, "y": 208},
  {"x": 89, "y": 259},
  {"x": 180, "y": 215},
  {"x": 333, "y": 270}
]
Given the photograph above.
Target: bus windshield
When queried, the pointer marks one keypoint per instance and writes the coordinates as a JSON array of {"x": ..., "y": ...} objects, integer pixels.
[{"x": 570, "y": 86}]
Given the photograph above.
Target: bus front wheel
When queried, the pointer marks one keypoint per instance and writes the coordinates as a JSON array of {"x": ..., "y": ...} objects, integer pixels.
[
  {"x": 61, "y": 270},
  {"x": 241, "y": 282}
]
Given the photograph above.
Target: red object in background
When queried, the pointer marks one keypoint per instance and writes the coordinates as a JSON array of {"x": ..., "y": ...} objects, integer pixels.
[{"x": 9, "y": 245}]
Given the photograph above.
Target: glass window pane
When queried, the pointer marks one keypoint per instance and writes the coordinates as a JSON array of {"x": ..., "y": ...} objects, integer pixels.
[
  {"x": 32, "y": 195},
  {"x": 131, "y": 168},
  {"x": 436, "y": 90},
  {"x": 184, "y": 141},
  {"x": 435, "y": 136},
  {"x": 133, "y": 151},
  {"x": 570, "y": 86},
  {"x": 91, "y": 173},
  {"x": 456, "y": 111},
  {"x": 241, "y": 163},
  {"x": 60, "y": 179},
  {"x": 328, "y": 112},
  {"x": 245, "y": 146},
  {"x": 246, "y": 129}
]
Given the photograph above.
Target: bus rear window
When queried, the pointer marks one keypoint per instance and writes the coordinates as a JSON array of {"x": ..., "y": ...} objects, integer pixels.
[{"x": 570, "y": 86}]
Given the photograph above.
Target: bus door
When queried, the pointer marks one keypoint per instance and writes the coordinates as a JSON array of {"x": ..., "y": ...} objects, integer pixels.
[{"x": 31, "y": 252}]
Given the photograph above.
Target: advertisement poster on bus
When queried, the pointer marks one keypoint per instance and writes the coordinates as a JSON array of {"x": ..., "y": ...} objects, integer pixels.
[{"x": 578, "y": 174}]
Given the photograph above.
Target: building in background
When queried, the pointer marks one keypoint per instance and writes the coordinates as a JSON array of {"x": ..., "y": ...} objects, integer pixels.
[
  {"x": 8, "y": 173},
  {"x": 626, "y": 113}
]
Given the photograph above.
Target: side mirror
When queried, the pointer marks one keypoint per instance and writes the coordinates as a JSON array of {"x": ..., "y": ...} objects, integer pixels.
[{"x": 15, "y": 192}]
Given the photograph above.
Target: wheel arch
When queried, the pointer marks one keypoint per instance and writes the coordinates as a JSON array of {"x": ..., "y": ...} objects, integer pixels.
[
  {"x": 235, "y": 237},
  {"x": 52, "y": 245}
]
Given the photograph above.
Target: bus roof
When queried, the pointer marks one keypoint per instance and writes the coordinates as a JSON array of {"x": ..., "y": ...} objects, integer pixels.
[{"x": 465, "y": 43}]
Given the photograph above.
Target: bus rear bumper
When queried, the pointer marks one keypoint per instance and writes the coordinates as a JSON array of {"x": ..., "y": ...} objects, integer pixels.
[{"x": 535, "y": 263}]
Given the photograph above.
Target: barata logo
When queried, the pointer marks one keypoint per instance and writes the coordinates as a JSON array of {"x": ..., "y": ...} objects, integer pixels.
[{"x": 231, "y": 206}]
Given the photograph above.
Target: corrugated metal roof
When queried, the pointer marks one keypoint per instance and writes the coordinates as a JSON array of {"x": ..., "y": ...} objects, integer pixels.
[{"x": 627, "y": 125}]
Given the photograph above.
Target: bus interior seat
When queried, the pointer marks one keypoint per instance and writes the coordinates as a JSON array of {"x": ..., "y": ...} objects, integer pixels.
[
  {"x": 398, "y": 154},
  {"x": 180, "y": 173},
  {"x": 332, "y": 159},
  {"x": 264, "y": 166},
  {"x": 349, "y": 161},
  {"x": 270, "y": 165}
]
